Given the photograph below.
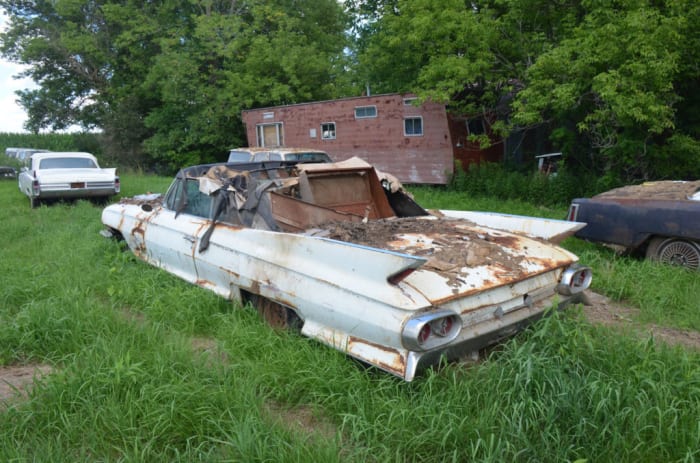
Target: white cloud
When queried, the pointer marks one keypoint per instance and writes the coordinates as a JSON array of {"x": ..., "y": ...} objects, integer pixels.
[{"x": 12, "y": 116}]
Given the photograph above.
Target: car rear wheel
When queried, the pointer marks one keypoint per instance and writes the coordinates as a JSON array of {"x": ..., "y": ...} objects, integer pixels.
[
  {"x": 675, "y": 251},
  {"x": 276, "y": 315},
  {"x": 33, "y": 202}
]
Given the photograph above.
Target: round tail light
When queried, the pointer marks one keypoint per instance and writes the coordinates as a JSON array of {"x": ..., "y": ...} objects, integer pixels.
[
  {"x": 575, "y": 279},
  {"x": 430, "y": 330}
]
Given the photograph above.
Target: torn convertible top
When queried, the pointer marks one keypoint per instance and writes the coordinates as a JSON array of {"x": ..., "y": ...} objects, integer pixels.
[{"x": 301, "y": 196}]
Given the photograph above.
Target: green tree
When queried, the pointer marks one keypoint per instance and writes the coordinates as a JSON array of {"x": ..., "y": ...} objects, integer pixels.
[
  {"x": 262, "y": 54},
  {"x": 89, "y": 60},
  {"x": 614, "y": 81},
  {"x": 470, "y": 55},
  {"x": 615, "y": 77},
  {"x": 171, "y": 77}
]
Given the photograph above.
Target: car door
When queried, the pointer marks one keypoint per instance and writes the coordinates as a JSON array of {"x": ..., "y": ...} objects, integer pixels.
[
  {"x": 219, "y": 262},
  {"x": 25, "y": 178},
  {"x": 171, "y": 234}
]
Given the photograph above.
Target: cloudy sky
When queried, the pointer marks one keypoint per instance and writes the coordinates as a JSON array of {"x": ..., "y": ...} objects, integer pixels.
[{"x": 12, "y": 116}]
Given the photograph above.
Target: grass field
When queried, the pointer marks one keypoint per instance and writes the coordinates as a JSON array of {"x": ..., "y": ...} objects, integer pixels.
[{"x": 146, "y": 367}]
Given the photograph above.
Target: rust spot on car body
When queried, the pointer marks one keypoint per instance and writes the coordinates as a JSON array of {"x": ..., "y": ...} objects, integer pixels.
[
  {"x": 508, "y": 241},
  {"x": 204, "y": 283},
  {"x": 139, "y": 238},
  {"x": 275, "y": 314},
  {"x": 397, "y": 364},
  {"x": 229, "y": 226},
  {"x": 654, "y": 190}
]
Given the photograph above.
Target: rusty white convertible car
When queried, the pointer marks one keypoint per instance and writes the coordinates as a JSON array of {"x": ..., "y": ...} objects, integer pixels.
[
  {"x": 342, "y": 252},
  {"x": 66, "y": 175}
]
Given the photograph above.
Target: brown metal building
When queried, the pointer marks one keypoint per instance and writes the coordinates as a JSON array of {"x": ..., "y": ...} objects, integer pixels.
[{"x": 417, "y": 144}]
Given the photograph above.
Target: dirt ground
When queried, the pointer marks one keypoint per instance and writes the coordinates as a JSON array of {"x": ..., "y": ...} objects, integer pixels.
[
  {"x": 15, "y": 380},
  {"x": 603, "y": 311}
]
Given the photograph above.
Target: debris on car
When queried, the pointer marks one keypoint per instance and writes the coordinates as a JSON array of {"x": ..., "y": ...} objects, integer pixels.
[
  {"x": 343, "y": 252},
  {"x": 660, "y": 220}
]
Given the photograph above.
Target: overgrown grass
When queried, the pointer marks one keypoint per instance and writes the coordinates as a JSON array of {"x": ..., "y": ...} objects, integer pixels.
[
  {"x": 666, "y": 295},
  {"x": 495, "y": 180},
  {"x": 447, "y": 198},
  {"x": 128, "y": 384}
]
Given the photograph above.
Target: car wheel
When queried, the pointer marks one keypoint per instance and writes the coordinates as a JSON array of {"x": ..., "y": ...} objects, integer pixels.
[
  {"x": 675, "y": 252},
  {"x": 33, "y": 202},
  {"x": 276, "y": 315}
]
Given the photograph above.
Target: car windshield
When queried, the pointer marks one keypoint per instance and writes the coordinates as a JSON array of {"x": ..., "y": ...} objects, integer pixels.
[
  {"x": 238, "y": 156},
  {"x": 308, "y": 157},
  {"x": 67, "y": 163}
]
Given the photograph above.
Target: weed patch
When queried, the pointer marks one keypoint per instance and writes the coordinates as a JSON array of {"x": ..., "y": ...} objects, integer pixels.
[{"x": 149, "y": 368}]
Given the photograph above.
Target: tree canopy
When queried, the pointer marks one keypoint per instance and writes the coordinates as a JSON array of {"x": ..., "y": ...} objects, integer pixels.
[
  {"x": 614, "y": 82},
  {"x": 171, "y": 77}
]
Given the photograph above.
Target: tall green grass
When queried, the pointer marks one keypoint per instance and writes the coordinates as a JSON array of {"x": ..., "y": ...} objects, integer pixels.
[
  {"x": 448, "y": 198},
  {"x": 131, "y": 381},
  {"x": 496, "y": 180}
]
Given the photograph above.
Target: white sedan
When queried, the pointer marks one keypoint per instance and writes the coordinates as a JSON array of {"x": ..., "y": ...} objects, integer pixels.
[{"x": 66, "y": 175}]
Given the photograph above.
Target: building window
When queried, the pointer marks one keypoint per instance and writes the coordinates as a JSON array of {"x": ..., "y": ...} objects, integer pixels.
[
  {"x": 270, "y": 135},
  {"x": 328, "y": 131},
  {"x": 363, "y": 112},
  {"x": 475, "y": 127},
  {"x": 413, "y": 126},
  {"x": 409, "y": 101}
]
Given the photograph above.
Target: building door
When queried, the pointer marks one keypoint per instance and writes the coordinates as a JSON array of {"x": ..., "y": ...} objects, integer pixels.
[{"x": 270, "y": 135}]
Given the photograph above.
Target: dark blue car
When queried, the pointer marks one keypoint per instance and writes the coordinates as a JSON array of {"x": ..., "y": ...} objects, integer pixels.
[{"x": 658, "y": 219}]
